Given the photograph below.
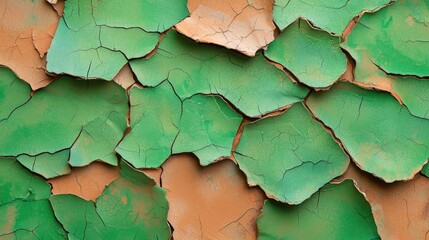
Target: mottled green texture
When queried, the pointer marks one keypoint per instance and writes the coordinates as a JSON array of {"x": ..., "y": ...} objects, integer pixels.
[
  {"x": 131, "y": 207},
  {"x": 335, "y": 212},
  {"x": 332, "y": 16},
  {"x": 46, "y": 164},
  {"x": 395, "y": 38},
  {"x": 25, "y": 212},
  {"x": 163, "y": 124},
  {"x": 13, "y": 92},
  {"x": 290, "y": 156},
  {"x": 89, "y": 117},
  {"x": 94, "y": 39},
  {"x": 410, "y": 90},
  {"x": 313, "y": 56},
  {"x": 380, "y": 134},
  {"x": 252, "y": 85}
]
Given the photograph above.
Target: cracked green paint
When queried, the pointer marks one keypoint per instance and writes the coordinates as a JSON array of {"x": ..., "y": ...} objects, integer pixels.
[
  {"x": 94, "y": 40},
  {"x": 46, "y": 164},
  {"x": 313, "y": 56},
  {"x": 252, "y": 85},
  {"x": 381, "y": 136},
  {"x": 23, "y": 197},
  {"x": 401, "y": 32},
  {"x": 335, "y": 212},
  {"x": 289, "y": 156},
  {"x": 87, "y": 117},
  {"x": 131, "y": 207},
  {"x": 425, "y": 170},
  {"x": 163, "y": 124},
  {"x": 332, "y": 16},
  {"x": 13, "y": 92}
]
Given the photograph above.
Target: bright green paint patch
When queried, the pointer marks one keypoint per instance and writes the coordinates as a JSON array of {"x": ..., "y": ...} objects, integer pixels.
[
  {"x": 313, "y": 56},
  {"x": 395, "y": 38},
  {"x": 25, "y": 212},
  {"x": 290, "y": 156},
  {"x": 46, "y": 164},
  {"x": 131, "y": 207},
  {"x": 162, "y": 124},
  {"x": 13, "y": 92},
  {"x": 425, "y": 170},
  {"x": 85, "y": 45},
  {"x": 332, "y": 16},
  {"x": 89, "y": 117},
  {"x": 251, "y": 84},
  {"x": 380, "y": 134},
  {"x": 335, "y": 212}
]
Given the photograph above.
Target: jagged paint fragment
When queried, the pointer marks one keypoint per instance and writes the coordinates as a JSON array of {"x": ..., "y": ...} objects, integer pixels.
[
  {"x": 46, "y": 164},
  {"x": 290, "y": 156},
  {"x": 163, "y": 124},
  {"x": 252, "y": 85}
]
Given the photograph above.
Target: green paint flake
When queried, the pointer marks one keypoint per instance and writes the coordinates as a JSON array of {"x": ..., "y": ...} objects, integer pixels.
[
  {"x": 381, "y": 135},
  {"x": 425, "y": 170},
  {"x": 46, "y": 164},
  {"x": 87, "y": 117},
  {"x": 13, "y": 92},
  {"x": 163, "y": 124},
  {"x": 401, "y": 32},
  {"x": 25, "y": 212},
  {"x": 335, "y": 212},
  {"x": 313, "y": 56},
  {"x": 131, "y": 207},
  {"x": 332, "y": 16},
  {"x": 252, "y": 85},
  {"x": 95, "y": 40},
  {"x": 290, "y": 156}
]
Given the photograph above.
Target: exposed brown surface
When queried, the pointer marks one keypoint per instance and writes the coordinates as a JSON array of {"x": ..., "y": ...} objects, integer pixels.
[
  {"x": 86, "y": 182},
  {"x": 242, "y": 25},
  {"x": 154, "y": 173},
  {"x": 125, "y": 77},
  {"x": 26, "y": 31},
  {"x": 212, "y": 202},
  {"x": 401, "y": 209}
]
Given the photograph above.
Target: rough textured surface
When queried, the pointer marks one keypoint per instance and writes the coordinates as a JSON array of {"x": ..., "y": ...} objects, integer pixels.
[
  {"x": 334, "y": 212},
  {"x": 313, "y": 56},
  {"x": 332, "y": 16},
  {"x": 382, "y": 137},
  {"x": 290, "y": 156},
  {"x": 213, "y": 202},
  {"x": 242, "y": 25},
  {"x": 204, "y": 125},
  {"x": 131, "y": 206},
  {"x": 251, "y": 84},
  {"x": 46, "y": 164}
]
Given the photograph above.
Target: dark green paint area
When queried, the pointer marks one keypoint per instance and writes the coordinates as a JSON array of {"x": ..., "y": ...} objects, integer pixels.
[
  {"x": 163, "y": 124},
  {"x": 131, "y": 207},
  {"x": 332, "y": 16},
  {"x": 313, "y": 56},
  {"x": 252, "y": 85},
  {"x": 95, "y": 40},
  {"x": 87, "y": 117},
  {"x": 334, "y": 212},
  {"x": 25, "y": 212},
  {"x": 381, "y": 136},
  {"x": 290, "y": 156}
]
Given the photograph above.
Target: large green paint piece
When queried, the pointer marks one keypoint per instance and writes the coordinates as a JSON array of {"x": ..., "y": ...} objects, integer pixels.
[
  {"x": 290, "y": 156},
  {"x": 87, "y": 117},
  {"x": 163, "y": 124},
  {"x": 395, "y": 38},
  {"x": 13, "y": 92},
  {"x": 25, "y": 212},
  {"x": 313, "y": 56},
  {"x": 335, "y": 212},
  {"x": 332, "y": 16},
  {"x": 380, "y": 134},
  {"x": 131, "y": 207},
  {"x": 411, "y": 91},
  {"x": 252, "y": 85},
  {"x": 94, "y": 39},
  {"x": 46, "y": 164}
]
